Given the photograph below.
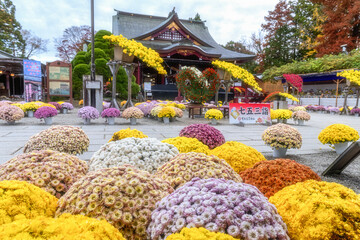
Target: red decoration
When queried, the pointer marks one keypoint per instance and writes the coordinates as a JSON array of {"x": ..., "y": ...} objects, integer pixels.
[
  {"x": 270, "y": 96},
  {"x": 294, "y": 80}
]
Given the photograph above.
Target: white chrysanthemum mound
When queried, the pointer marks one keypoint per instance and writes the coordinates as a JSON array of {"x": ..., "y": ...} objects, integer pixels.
[{"x": 144, "y": 153}]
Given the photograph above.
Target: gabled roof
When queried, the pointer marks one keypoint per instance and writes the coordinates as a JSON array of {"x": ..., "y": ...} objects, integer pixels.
[{"x": 141, "y": 27}]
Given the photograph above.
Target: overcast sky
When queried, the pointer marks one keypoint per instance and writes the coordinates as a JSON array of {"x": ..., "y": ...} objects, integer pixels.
[{"x": 226, "y": 19}]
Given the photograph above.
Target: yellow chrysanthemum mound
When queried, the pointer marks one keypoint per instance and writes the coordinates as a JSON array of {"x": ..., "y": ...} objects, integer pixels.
[
  {"x": 66, "y": 226},
  {"x": 185, "y": 145},
  {"x": 22, "y": 200},
  {"x": 30, "y": 106},
  {"x": 319, "y": 211},
  {"x": 186, "y": 166},
  {"x": 132, "y": 47},
  {"x": 338, "y": 133},
  {"x": 127, "y": 133},
  {"x": 199, "y": 234},
  {"x": 238, "y": 155},
  {"x": 19, "y": 105},
  {"x": 239, "y": 73},
  {"x": 281, "y": 114},
  {"x": 214, "y": 113},
  {"x": 168, "y": 112}
]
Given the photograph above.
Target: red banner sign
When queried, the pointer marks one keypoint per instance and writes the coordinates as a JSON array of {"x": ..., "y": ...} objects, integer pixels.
[{"x": 249, "y": 113}]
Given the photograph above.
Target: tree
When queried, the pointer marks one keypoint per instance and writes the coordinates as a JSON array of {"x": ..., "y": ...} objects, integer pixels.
[
  {"x": 196, "y": 18},
  {"x": 243, "y": 46},
  {"x": 308, "y": 19},
  {"x": 342, "y": 26},
  {"x": 32, "y": 44},
  {"x": 11, "y": 40},
  {"x": 281, "y": 44},
  {"x": 103, "y": 52},
  {"x": 72, "y": 42}
]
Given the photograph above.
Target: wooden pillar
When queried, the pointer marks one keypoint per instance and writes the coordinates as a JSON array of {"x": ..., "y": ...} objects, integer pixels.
[
  {"x": 8, "y": 84},
  {"x": 337, "y": 90},
  {"x": 138, "y": 75}
]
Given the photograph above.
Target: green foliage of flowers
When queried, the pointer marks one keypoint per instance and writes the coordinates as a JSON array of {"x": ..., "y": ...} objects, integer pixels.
[{"x": 326, "y": 63}]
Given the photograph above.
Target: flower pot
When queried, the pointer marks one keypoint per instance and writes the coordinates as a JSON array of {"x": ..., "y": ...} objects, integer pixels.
[
  {"x": 120, "y": 55},
  {"x": 64, "y": 110},
  {"x": 87, "y": 121},
  {"x": 282, "y": 121},
  {"x": 111, "y": 120},
  {"x": 11, "y": 122},
  {"x": 48, "y": 120},
  {"x": 356, "y": 114},
  {"x": 30, "y": 114},
  {"x": 279, "y": 152},
  {"x": 166, "y": 120},
  {"x": 300, "y": 122},
  {"x": 341, "y": 147},
  {"x": 214, "y": 121},
  {"x": 133, "y": 121}
]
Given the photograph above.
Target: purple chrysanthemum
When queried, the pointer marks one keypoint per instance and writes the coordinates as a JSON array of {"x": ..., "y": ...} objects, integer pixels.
[
  {"x": 208, "y": 135},
  {"x": 251, "y": 216},
  {"x": 88, "y": 112},
  {"x": 110, "y": 112},
  {"x": 45, "y": 112}
]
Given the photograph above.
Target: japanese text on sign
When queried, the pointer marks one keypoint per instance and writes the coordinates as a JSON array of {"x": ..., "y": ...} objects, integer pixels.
[{"x": 249, "y": 113}]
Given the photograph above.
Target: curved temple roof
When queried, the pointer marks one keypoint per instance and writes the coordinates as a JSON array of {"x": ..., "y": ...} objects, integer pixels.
[{"x": 143, "y": 27}]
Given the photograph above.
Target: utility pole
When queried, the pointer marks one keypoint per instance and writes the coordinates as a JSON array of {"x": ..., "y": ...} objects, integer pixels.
[{"x": 92, "y": 76}]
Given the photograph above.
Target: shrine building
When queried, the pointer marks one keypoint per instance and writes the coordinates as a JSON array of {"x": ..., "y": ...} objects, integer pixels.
[{"x": 179, "y": 42}]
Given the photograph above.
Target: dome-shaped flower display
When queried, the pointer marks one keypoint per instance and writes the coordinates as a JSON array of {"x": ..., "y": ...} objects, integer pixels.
[
  {"x": 338, "y": 133},
  {"x": 132, "y": 112},
  {"x": 127, "y": 133},
  {"x": 67, "y": 226},
  {"x": 88, "y": 112},
  {"x": 185, "y": 166},
  {"x": 50, "y": 170},
  {"x": 68, "y": 139},
  {"x": 144, "y": 153},
  {"x": 272, "y": 176},
  {"x": 282, "y": 136},
  {"x": 22, "y": 200},
  {"x": 319, "y": 210},
  {"x": 124, "y": 196},
  {"x": 185, "y": 144},
  {"x": 208, "y": 135},
  {"x": 11, "y": 113},
  {"x": 219, "y": 205},
  {"x": 238, "y": 155}
]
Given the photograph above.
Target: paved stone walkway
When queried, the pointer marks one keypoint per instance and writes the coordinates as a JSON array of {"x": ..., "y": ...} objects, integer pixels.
[{"x": 13, "y": 138}]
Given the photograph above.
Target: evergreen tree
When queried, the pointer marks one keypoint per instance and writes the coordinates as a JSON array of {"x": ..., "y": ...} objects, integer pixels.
[
  {"x": 103, "y": 52},
  {"x": 11, "y": 40}
]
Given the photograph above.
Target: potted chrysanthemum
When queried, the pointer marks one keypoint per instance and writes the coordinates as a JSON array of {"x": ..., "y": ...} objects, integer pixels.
[
  {"x": 46, "y": 113},
  {"x": 282, "y": 137},
  {"x": 110, "y": 114},
  {"x": 87, "y": 113},
  {"x": 65, "y": 107},
  {"x": 214, "y": 115},
  {"x": 166, "y": 113},
  {"x": 30, "y": 108},
  {"x": 355, "y": 112},
  {"x": 133, "y": 113},
  {"x": 338, "y": 136},
  {"x": 300, "y": 117},
  {"x": 10, "y": 114}
]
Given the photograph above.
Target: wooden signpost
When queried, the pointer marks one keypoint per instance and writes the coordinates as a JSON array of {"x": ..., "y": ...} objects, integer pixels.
[{"x": 59, "y": 80}]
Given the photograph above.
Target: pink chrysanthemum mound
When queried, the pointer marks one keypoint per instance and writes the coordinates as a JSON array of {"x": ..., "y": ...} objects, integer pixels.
[{"x": 208, "y": 135}]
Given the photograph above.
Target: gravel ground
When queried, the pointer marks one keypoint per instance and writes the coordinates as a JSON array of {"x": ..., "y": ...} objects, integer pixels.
[{"x": 350, "y": 177}]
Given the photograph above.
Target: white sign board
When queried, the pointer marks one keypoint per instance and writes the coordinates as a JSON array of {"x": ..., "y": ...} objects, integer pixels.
[{"x": 147, "y": 86}]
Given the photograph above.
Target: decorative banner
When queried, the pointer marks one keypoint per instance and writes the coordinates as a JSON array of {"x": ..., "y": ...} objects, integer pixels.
[
  {"x": 32, "y": 70},
  {"x": 249, "y": 113}
]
